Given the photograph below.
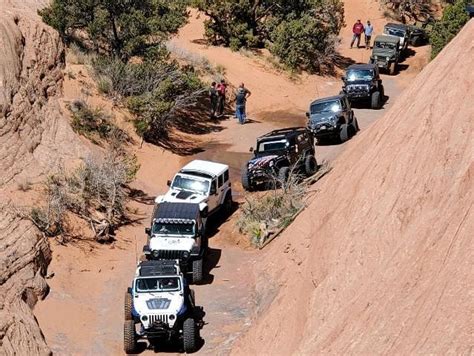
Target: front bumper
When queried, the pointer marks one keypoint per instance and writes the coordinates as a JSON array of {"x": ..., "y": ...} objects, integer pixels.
[
  {"x": 260, "y": 175},
  {"x": 357, "y": 92},
  {"x": 324, "y": 129}
]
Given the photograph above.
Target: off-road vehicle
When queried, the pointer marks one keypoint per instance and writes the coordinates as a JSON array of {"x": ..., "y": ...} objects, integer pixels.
[
  {"x": 362, "y": 82},
  {"x": 202, "y": 182},
  {"x": 401, "y": 31},
  {"x": 177, "y": 232},
  {"x": 160, "y": 306},
  {"x": 332, "y": 118},
  {"x": 418, "y": 34},
  {"x": 386, "y": 53},
  {"x": 276, "y": 153}
]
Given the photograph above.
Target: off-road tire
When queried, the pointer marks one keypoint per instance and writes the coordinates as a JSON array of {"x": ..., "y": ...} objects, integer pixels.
[
  {"x": 310, "y": 165},
  {"x": 190, "y": 335},
  {"x": 129, "y": 337},
  {"x": 197, "y": 271},
  {"x": 355, "y": 124},
  {"x": 382, "y": 93},
  {"x": 344, "y": 133},
  {"x": 375, "y": 100},
  {"x": 283, "y": 174},
  {"x": 246, "y": 183},
  {"x": 128, "y": 306},
  {"x": 228, "y": 203}
]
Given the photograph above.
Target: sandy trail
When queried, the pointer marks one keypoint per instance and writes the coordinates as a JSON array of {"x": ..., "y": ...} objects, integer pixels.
[{"x": 83, "y": 313}]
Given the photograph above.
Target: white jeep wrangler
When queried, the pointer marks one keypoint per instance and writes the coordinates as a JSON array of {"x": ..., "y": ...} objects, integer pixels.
[
  {"x": 161, "y": 304},
  {"x": 178, "y": 232},
  {"x": 203, "y": 182}
]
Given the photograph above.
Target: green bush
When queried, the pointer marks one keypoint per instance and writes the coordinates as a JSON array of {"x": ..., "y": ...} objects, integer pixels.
[
  {"x": 299, "y": 33},
  {"x": 444, "y": 30},
  {"x": 122, "y": 28}
]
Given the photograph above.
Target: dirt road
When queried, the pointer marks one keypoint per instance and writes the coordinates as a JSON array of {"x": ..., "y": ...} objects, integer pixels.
[{"x": 83, "y": 312}]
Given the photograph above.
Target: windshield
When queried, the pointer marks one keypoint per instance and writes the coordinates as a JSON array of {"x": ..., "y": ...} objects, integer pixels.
[
  {"x": 326, "y": 106},
  {"x": 385, "y": 45},
  {"x": 158, "y": 284},
  {"x": 190, "y": 183},
  {"x": 172, "y": 229},
  {"x": 395, "y": 32},
  {"x": 354, "y": 75},
  {"x": 271, "y": 146}
]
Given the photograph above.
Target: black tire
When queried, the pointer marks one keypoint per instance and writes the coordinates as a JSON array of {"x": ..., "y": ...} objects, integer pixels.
[
  {"x": 128, "y": 306},
  {"x": 310, "y": 165},
  {"x": 375, "y": 101},
  {"x": 197, "y": 271},
  {"x": 246, "y": 183},
  {"x": 283, "y": 174},
  {"x": 228, "y": 203},
  {"x": 129, "y": 337},
  {"x": 382, "y": 93},
  {"x": 355, "y": 124},
  {"x": 344, "y": 133},
  {"x": 190, "y": 335}
]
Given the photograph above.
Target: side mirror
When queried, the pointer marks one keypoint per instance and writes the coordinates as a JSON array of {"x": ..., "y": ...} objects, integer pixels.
[
  {"x": 307, "y": 114},
  {"x": 147, "y": 231},
  {"x": 251, "y": 149},
  {"x": 168, "y": 183}
]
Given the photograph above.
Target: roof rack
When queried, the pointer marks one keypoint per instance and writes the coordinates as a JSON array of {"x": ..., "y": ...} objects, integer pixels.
[
  {"x": 177, "y": 213},
  {"x": 158, "y": 268},
  {"x": 284, "y": 131}
]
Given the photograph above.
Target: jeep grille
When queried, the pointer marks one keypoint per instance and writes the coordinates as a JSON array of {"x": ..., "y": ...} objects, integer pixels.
[
  {"x": 357, "y": 88},
  {"x": 158, "y": 318},
  {"x": 171, "y": 254}
]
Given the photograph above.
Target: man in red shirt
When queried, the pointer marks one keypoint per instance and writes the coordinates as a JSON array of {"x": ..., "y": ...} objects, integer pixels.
[{"x": 357, "y": 30}]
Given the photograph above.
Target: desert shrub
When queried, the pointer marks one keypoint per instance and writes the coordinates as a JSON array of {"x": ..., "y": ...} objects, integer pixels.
[
  {"x": 122, "y": 28},
  {"x": 155, "y": 92},
  {"x": 444, "y": 30},
  {"x": 92, "y": 123},
  {"x": 304, "y": 30},
  {"x": 410, "y": 10}
]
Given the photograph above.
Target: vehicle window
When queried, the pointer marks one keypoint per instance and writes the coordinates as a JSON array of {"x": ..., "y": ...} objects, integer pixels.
[
  {"x": 173, "y": 229},
  {"x": 326, "y": 106},
  {"x": 158, "y": 284},
  {"x": 353, "y": 75},
  {"x": 220, "y": 181},
  {"x": 385, "y": 45},
  {"x": 213, "y": 186},
  {"x": 226, "y": 176},
  {"x": 269, "y": 146},
  {"x": 395, "y": 32},
  {"x": 189, "y": 183}
]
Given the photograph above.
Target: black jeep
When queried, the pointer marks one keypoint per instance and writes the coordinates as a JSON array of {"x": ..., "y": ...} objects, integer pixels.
[
  {"x": 275, "y": 155},
  {"x": 332, "y": 118},
  {"x": 362, "y": 83}
]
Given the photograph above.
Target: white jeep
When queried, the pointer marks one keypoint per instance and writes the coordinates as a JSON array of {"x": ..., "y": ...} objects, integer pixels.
[
  {"x": 203, "y": 182},
  {"x": 161, "y": 305},
  {"x": 177, "y": 232}
]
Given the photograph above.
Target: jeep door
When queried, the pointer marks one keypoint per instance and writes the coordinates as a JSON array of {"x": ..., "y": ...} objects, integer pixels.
[{"x": 213, "y": 200}]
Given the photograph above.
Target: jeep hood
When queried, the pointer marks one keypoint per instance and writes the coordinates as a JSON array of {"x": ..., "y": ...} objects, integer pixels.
[
  {"x": 261, "y": 162},
  {"x": 171, "y": 243},
  {"x": 181, "y": 196},
  {"x": 159, "y": 303},
  {"x": 358, "y": 82},
  {"x": 383, "y": 52}
]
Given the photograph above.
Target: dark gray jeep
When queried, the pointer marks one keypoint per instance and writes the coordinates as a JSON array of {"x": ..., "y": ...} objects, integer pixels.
[
  {"x": 332, "y": 118},
  {"x": 362, "y": 83},
  {"x": 386, "y": 53}
]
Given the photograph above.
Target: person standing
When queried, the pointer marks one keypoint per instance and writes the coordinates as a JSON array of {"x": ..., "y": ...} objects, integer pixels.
[
  {"x": 213, "y": 99},
  {"x": 369, "y": 29},
  {"x": 357, "y": 31},
  {"x": 240, "y": 102},
  {"x": 221, "y": 91}
]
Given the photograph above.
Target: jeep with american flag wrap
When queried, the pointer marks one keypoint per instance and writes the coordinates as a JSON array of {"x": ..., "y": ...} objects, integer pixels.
[{"x": 278, "y": 153}]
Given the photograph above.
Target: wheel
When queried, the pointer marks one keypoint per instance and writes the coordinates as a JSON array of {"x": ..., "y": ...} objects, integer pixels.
[
  {"x": 228, "y": 203},
  {"x": 382, "y": 93},
  {"x": 355, "y": 124},
  {"x": 246, "y": 184},
  {"x": 283, "y": 174},
  {"x": 128, "y": 306},
  {"x": 310, "y": 165},
  {"x": 190, "y": 335},
  {"x": 129, "y": 337},
  {"x": 375, "y": 100},
  {"x": 197, "y": 271},
  {"x": 344, "y": 133}
]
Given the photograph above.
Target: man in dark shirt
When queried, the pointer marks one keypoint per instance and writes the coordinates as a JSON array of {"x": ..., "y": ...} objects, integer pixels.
[
  {"x": 357, "y": 31},
  {"x": 213, "y": 99},
  {"x": 240, "y": 101},
  {"x": 221, "y": 92}
]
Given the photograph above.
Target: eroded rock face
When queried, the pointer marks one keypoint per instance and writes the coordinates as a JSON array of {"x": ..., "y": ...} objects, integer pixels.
[{"x": 34, "y": 137}]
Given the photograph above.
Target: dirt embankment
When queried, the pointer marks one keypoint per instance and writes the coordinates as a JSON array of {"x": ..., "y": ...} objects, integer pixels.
[
  {"x": 381, "y": 261},
  {"x": 33, "y": 137}
]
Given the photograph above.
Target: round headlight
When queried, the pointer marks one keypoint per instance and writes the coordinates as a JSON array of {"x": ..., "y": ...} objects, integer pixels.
[
  {"x": 144, "y": 318},
  {"x": 388, "y": 58},
  {"x": 156, "y": 253},
  {"x": 172, "y": 317},
  {"x": 185, "y": 254}
]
